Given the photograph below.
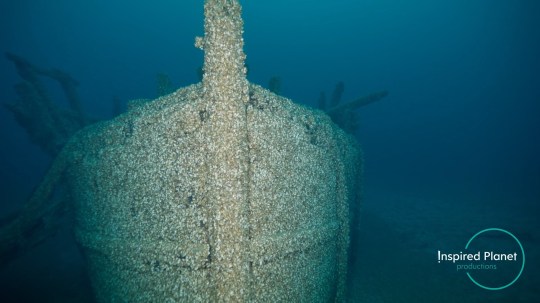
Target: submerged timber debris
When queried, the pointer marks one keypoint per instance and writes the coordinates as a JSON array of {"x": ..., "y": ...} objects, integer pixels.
[
  {"x": 47, "y": 125},
  {"x": 344, "y": 114}
]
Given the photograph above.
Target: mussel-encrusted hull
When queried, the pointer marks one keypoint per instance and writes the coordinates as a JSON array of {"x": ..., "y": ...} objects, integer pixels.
[{"x": 151, "y": 231}]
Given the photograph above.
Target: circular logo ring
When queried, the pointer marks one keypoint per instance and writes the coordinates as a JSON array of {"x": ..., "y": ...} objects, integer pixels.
[{"x": 522, "y": 263}]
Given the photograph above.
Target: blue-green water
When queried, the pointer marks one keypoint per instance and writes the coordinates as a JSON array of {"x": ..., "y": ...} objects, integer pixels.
[{"x": 452, "y": 150}]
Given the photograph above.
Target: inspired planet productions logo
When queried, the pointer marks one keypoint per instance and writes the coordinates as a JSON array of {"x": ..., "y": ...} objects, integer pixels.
[{"x": 485, "y": 260}]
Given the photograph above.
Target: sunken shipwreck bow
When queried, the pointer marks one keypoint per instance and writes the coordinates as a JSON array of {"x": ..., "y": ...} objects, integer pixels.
[{"x": 220, "y": 191}]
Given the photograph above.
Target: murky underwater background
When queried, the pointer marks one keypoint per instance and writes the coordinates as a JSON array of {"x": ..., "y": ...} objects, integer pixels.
[{"x": 453, "y": 149}]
